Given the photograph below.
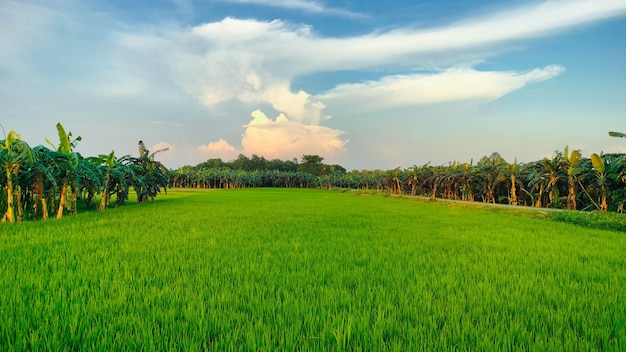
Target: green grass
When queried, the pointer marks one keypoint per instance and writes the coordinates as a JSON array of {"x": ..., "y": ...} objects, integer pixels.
[{"x": 282, "y": 269}]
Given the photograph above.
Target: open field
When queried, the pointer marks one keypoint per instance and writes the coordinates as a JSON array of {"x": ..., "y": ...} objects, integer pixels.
[{"x": 302, "y": 269}]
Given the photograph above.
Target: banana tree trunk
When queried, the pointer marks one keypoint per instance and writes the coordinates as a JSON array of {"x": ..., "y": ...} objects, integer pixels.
[
  {"x": 62, "y": 201},
  {"x": 490, "y": 197},
  {"x": 104, "y": 201},
  {"x": 20, "y": 209},
  {"x": 44, "y": 208},
  {"x": 10, "y": 214},
  {"x": 571, "y": 194},
  {"x": 603, "y": 204},
  {"x": 72, "y": 206},
  {"x": 538, "y": 203},
  {"x": 513, "y": 191},
  {"x": 39, "y": 198}
]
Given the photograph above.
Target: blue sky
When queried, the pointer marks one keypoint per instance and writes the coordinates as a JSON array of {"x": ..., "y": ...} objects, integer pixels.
[{"x": 365, "y": 84}]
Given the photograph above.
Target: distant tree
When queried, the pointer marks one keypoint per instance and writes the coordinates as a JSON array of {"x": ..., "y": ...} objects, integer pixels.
[
  {"x": 241, "y": 163},
  {"x": 213, "y": 164},
  {"x": 311, "y": 164},
  {"x": 337, "y": 169},
  {"x": 258, "y": 163},
  {"x": 291, "y": 165}
]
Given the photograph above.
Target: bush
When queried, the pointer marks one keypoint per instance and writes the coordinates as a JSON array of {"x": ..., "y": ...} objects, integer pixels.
[{"x": 594, "y": 220}]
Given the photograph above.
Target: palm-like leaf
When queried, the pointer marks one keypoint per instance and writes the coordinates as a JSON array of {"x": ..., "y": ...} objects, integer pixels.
[{"x": 597, "y": 162}]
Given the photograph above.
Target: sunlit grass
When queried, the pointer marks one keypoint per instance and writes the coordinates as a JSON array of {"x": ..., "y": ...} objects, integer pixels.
[{"x": 268, "y": 269}]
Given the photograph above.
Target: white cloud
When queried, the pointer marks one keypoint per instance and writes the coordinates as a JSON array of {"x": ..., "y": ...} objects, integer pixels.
[
  {"x": 285, "y": 139},
  {"x": 451, "y": 85},
  {"x": 255, "y": 62},
  {"x": 416, "y": 46},
  {"x": 220, "y": 149},
  {"x": 217, "y": 147},
  {"x": 280, "y": 138},
  {"x": 304, "y": 5}
]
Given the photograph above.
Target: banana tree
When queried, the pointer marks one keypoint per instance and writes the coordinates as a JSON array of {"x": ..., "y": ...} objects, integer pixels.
[
  {"x": 617, "y": 173},
  {"x": 600, "y": 172},
  {"x": 67, "y": 169},
  {"x": 489, "y": 172},
  {"x": 14, "y": 154},
  {"x": 152, "y": 175},
  {"x": 42, "y": 179},
  {"x": 547, "y": 176},
  {"x": 571, "y": 162},
  {"x": 107, "y": 162},
  {"x": 513, "y": 171},
  {"x": 90, "y": 179}
]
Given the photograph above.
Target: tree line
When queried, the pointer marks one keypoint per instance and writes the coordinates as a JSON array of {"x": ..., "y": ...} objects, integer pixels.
[
  {"x": 57, "y": 180},
  {"x": 567, "y": 180},
  {"x": 41, "y": 181}
]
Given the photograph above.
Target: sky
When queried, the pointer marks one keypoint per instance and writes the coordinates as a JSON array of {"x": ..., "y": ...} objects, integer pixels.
[{"x": 366, "y": 84}]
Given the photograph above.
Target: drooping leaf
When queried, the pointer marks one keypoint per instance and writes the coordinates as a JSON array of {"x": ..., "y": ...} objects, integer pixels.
[
  {"x": 64, "y": 140},
  {"x": 597, "y": 162},
  {"x": 575, "y": 157},
  {"x": 617, "y": 134}
]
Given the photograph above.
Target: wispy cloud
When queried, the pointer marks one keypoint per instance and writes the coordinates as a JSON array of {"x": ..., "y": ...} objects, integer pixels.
[
  {"x": 255, "y": 62},
  {"x": 303, "y": 5},
  {"x": 450, "y": 85}
]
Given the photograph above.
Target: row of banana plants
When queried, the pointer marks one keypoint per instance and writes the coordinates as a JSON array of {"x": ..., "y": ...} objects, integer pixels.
[
  {"x": 566, "y": 180},
  {"x": 57, "y": 180}
]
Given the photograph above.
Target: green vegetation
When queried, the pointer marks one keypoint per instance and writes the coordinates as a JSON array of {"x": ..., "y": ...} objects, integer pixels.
[
  {"x": 565, "y": 181},
  {"x": 37, "y": 181},
  {"x": 281, "y": 269}
]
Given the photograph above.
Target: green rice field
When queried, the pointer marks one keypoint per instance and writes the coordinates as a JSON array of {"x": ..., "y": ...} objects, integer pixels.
[{"x": 309, "y": 270}]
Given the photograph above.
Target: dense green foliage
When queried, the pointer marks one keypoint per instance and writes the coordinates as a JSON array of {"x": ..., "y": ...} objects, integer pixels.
[
  {"x": 567, "y": 180},
  {"x": 310, "y": 270},
  {"x": 38, "y": 181},
  {"x": 594, "y": 220}
]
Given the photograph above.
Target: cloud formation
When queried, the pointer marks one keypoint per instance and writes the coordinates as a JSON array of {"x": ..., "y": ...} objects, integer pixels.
[
  {"x": 302, "y": 5},
  {"x": 220, "y": 146},
  {"x": 280, "y": 139},
  {"x": 255, "y": 61},
  {"x": 451, "y": 85},
  {"x": 285, "y": 139}
]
